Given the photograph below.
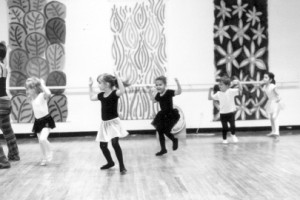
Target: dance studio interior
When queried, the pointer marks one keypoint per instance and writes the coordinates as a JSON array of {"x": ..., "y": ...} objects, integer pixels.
[{"x": 149, "y": 100}]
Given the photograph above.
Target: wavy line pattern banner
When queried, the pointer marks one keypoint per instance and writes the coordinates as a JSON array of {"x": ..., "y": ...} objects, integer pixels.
[
  {"x": 241, "y": 50},
  {"x": 139, "y": 53}
]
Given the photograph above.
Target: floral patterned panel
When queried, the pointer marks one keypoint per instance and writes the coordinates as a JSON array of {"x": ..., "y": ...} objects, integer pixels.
[
  {"x": 241, "y": 50},
  {"x": 37, "y": 33}
]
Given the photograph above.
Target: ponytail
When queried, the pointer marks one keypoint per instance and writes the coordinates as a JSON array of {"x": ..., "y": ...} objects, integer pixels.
[
  {"x": 112, "y": 80},
  {"x": 271, "y": 76}
]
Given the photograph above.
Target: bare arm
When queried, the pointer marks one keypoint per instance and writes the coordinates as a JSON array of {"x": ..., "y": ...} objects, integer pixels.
[
  {"x": 121, "y": 89},
  {"x": 179, "y": 90},
  {"x": 47, "y": 92},
  {"x": 261, "y": 101},
  {"x": 93, "y": 95},
  {"x": 151, "y": 93},
  {"x": 3, "y": 70},
  {"x": 209, "y": 94},
  {"x": 277, "y": 94},
  {"x": 239, "y": 85}
]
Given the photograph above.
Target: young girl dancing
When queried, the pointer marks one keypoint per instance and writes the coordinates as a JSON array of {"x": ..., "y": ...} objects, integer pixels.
[
  {"x": 110, "y": 130},
  {"x": 273, "y": 106},
  {"x": 38, "y": 95},
  {"x": 167, "y": 117},
  {"x": 5, "y": 109},
  {"x": 226, "y": 98}
]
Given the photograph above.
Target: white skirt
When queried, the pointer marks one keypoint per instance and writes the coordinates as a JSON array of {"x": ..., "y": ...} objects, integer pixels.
[
  {"x": 110, "y": 129},
  {"x": 274, "y": 107}
]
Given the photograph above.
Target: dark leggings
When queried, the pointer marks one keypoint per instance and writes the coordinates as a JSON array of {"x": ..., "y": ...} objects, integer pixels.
[
  {"x": 7, "y": 130},
  {"x": 118, "y": 151},
  {"x": 225, "y": 118},
  {"x": 162, "y": 138}
]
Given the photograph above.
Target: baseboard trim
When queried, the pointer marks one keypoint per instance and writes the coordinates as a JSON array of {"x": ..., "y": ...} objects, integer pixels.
[{"x": 152, "y": 132}]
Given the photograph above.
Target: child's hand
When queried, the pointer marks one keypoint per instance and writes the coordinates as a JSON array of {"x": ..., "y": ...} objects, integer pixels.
[
  {"x": 91, "y": 82},
  {"x": 235, "y": 82},
  {"x": 42, "y": 82},
  {"x": 176, "y": 80},
  {"x": 116, "y": 73},
  {"x": 149, "y": 88}
]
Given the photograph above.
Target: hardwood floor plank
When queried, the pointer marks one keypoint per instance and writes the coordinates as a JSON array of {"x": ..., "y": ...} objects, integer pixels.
[{"x": 202, "y": 168}]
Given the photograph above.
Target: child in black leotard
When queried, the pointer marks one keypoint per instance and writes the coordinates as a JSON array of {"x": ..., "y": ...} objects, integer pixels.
[
  {"x": 167, "y": 117},
  {"x": 110, "y": 128}
]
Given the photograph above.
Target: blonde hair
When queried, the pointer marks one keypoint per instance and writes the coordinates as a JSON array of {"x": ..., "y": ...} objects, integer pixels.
[{"x": 34, "y": 83}]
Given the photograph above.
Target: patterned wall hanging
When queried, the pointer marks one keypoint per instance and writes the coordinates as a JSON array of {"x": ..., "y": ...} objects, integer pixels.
[
  {"x": 37, "y": 33},
  {"x": 241, "y": 50},
  {"x": 139, "y": 53}
]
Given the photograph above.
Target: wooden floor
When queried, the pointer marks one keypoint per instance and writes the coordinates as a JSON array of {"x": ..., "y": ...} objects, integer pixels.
[{"x": 256, "y": 168}]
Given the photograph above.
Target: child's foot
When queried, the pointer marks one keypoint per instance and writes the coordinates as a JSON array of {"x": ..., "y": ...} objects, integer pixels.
[
  {"x": 43, "y": 162},
  {"x": 276, "y": 137},
  {"x": 234, "y": 138},
  {"x": 123, "y": 171},
  {"x": 270, "y": 134},
  {"x": 107, "y": 166},
  {"x": 175, "y": 144},
  {"x": 4, "y": 165},
  {"x": 162, "y": 152},
  {"x": 50, "y": 157},
  {"x": 225, "y": 142},
  {"x": 14, "y": 158}
]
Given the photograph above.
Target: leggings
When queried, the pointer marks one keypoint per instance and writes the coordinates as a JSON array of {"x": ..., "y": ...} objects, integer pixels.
[
  {"x": 225, "y": 118},
  {"x": 5, "y": 126},
  {"x": 162, "y": 138},
  {"x": 118, "y": 151}
]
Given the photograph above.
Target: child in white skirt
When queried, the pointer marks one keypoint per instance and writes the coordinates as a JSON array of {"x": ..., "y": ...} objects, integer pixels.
[
  {"x": 273, "y": 105},
  {"x": 110, "y": 130}
]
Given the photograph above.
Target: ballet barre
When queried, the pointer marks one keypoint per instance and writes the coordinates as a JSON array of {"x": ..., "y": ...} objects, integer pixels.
[{"x": 185, "y": 86}]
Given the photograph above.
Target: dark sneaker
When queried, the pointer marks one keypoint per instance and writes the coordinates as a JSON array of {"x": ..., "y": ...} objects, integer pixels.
[
  {"x": 4, "y": 165},
  {"x": 123, "y": 171},
  {"x": 175, "y": 144},
  {"x": 14, "y": 158},
  {"x": 160, "y": 153},
  {"x": 107, "y": 166}
]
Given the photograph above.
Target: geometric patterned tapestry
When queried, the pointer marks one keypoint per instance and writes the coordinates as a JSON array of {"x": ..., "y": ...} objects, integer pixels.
[
  {"x": 139, "y": 53},
  {"x": 37, "y": 33},
  {"x": 241, "y": 50}
]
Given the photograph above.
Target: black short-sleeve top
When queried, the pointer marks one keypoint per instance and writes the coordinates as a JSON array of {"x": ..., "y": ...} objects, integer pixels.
[
  {"x": 109, "y": 105},
  {"x": 166, "y": 100}
]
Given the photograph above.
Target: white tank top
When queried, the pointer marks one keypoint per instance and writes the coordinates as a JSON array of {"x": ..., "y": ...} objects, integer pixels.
[{"x": 40, "y": 106}]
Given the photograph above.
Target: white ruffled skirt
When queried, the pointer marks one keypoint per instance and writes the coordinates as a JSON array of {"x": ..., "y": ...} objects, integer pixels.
[
  {"x": 274, "y": 107},
  {"x": 110, "y": 129}
]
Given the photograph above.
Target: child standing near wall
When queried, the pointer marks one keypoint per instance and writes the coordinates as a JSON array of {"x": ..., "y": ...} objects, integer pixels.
[
  {"x": 273, "y": 106},
  {"x": 167, "y": 117},
  {"x": 38, "y": 95},
  {"x": 226, "y": 97},
  {"x": 5, "y": 109},
  {"x": 110, "y": 130}
]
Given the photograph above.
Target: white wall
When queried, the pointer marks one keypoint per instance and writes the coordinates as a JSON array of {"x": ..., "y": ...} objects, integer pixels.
[{"x": 189, "y": 33}]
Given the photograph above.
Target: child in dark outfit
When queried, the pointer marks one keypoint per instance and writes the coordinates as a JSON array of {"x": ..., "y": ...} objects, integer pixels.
[{"x": 167, "y": 117}]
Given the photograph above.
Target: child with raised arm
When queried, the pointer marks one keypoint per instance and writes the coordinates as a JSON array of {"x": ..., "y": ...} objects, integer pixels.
[
  {"x": 226, "y": 97},
  {"x": 38, "y": 95},
  {"x": 167, "y": 117},
  {"x": 273, "y": 106},
  {"x": 110, "y": 130},
  {"x": 5, "y": 109}
]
